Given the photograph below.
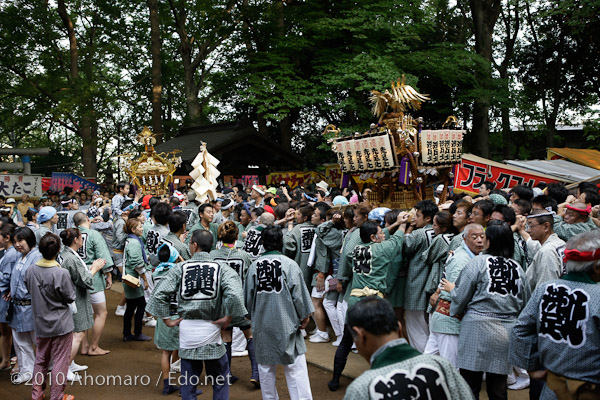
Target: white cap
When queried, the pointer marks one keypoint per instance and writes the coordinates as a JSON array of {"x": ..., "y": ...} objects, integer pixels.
[{"x": 324, "y": 186}]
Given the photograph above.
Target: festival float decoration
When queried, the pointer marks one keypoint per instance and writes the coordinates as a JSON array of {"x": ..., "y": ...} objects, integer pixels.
[
  {"x": 151, "y": 172},
  {"x": 406, "y": 159},
  {"x": 205, "y": 174}
]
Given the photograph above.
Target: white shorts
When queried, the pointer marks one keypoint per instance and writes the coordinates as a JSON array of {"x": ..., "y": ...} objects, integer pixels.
[
  {"x": 444, "y": 344},
  {"x": 97, "y": 298},
  {"x": 148, "y": 292},
  {"x": 316, "y": 294}
]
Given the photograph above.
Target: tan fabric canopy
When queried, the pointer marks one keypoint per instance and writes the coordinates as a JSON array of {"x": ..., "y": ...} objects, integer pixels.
[{"x": 588, "y": 157}]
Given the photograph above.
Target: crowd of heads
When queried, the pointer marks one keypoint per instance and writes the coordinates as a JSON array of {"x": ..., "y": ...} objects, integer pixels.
[{"x": 493, "y": 208}]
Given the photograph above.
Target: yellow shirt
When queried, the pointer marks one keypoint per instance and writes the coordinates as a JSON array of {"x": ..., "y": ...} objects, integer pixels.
[{"x": 23, "y": 207}]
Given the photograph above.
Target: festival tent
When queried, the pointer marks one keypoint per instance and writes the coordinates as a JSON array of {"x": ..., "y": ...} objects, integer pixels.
[
  {"x": 587, "y": 157},
  {"x": 559, "y": 168}
]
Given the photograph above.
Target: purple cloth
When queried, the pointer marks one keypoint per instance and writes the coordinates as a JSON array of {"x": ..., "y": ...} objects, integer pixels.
[
  {"x": 345, "y": 180},
  {"x": 404, "y": 176},
  {"x": 139, "y": 239}
]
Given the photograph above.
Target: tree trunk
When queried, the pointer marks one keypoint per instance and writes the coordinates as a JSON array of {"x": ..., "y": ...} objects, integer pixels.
[
  {"x": 185, "y": 48},
  {"x": 506, "y": 133},
  {"x": 550, "y": 130},
  {"x": 512, "y": 24},
  {"x": 62, "y": 11},
  {"x": 156, "y": 71},
  {"x": 485, "y": 14},
  {"x": 551, "y": 122},
  {"x": 88, "y": 120},
  {"x": 84, "y": 129},
  {"x": 539, "y": 61},
  {"x": 480, "y": 129},
  {"x": 194, "y": 113},
  {"x": 262, "y": 124},
  {"x": 285, "y": 126},
  {"x": 87, "y": 152},
  {"x": 285, "y": 130}
]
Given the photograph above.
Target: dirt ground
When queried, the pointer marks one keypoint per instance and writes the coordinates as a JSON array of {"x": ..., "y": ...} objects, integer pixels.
[
  {"x": 128, "y": 360},
  {"x": 132, "y": 370}
]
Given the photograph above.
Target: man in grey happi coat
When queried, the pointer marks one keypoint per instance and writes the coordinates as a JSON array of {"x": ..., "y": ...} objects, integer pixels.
[
  {"x": 444, "y": 329},
  {"x": 47, "y": 220},
  {"x": 177, "y": 226},
  {"x": 209, "y": 296},
  {"x": 415, "y": 300},
  {"x": 153, "y": 236},
  {"x": 559, "y": 329},
  {"x": 253, "y": 241},
  {"x": 576, "y": 220},
  {"x": 279, "y": 306},
  {"x": 298, "y": 241},
  {"x": 190, "y": 209},
  {"x": 547, "y": 263},
  {"x": 397, "y": 370}
]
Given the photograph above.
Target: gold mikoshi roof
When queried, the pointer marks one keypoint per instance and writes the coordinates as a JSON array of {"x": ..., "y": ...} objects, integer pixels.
[{"x": 152, "y": 172}]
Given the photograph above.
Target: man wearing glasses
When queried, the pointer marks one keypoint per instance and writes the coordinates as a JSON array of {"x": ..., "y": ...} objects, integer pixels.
[{"x": 547, "y": 263}]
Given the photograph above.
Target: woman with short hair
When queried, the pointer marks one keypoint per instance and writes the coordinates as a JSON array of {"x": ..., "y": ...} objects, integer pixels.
[
  {"x": 52, "y": 294},
  {"x": 22, "y": 319}
]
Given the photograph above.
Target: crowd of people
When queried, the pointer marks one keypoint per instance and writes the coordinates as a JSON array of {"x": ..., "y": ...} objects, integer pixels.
[{"x": 500, "y": 287}]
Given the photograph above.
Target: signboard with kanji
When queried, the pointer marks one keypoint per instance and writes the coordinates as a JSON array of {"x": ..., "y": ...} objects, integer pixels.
[
  {"x": 60, "y": 180},
  {"x": 441, "y": 147},
  {"x": 372, "y": 153},
  {"x": 293, "y": 178},
  {"x": 18, "y": 185}
]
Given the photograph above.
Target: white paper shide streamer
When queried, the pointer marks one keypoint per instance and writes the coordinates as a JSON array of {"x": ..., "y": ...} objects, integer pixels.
[{"x": 205, "y": 174}]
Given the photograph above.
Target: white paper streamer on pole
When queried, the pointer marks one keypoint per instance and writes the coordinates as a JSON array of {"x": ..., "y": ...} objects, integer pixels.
[{"x": 205, "y": 174}]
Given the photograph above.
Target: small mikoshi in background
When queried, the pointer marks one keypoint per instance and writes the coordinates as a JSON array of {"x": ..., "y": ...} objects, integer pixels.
[{"x": 151, "y": 172}]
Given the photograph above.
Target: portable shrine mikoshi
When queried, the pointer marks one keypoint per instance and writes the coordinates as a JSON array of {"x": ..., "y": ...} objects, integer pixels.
[
  {"x": 151, "y": 172},
  {"x": 405, "y": 159}
]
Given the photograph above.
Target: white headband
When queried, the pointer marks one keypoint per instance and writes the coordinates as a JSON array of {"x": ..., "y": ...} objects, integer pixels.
[
  {"x": 548, "y": 213},
  {"x": 258, "y": 189}
]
